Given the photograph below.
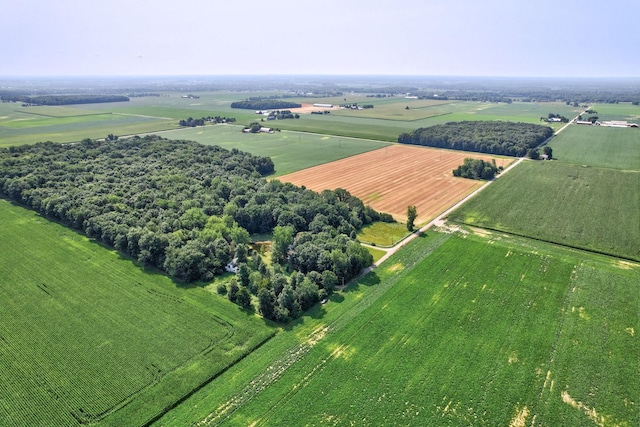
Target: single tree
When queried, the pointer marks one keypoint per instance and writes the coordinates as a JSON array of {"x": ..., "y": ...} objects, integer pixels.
[
  {"x": 412, "y": 214},
  {"x": 548, "y": 151}
]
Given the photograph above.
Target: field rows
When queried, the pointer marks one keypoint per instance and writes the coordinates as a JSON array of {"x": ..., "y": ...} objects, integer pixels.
[
  {"x": 89, "y": 336},
  {"x": 617, "y": 148},
  {"x": 452, "y": 337},
  {"x": 591, "y": 208},
  {"x": 391, "y": 178}
]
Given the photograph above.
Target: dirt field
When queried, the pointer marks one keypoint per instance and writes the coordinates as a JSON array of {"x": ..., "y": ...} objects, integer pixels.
[
  {"x": 394, "y": 177},
  {"x": 308, "y": 108}
]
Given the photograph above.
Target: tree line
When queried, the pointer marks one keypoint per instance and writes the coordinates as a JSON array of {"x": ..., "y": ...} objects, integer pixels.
[
  {"x": 493, "y": 137},
  {"x": 65, "y": 99},
  {"x": 265, "y": 104},
  {"x": 191, "y": 122},
  {"x": 189, "y": 210}
]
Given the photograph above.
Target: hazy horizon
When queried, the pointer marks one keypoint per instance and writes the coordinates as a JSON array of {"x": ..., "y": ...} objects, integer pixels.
[{"x": 462, "y": 38}]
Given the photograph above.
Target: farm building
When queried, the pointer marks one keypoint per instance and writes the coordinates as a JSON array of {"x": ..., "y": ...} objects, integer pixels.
[
  {"x": 232, "y": 266},
  {"x": 583, "y": 122},
  {"x": 323, "y": 105},
  {"x": 262, "y": 130},
  {"x": 619, "y": 124}
]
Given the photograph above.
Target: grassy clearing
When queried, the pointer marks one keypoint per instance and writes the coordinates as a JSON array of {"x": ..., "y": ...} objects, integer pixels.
[
  {"x": 376, "y": 253},
  {"x": 397, "y": 347},
  {"x": 592, "y": 208},
  {"x": 290, "y": 151},
  {"x": 617, "y": 148},
  {"x": 385, "y": 234},
  {"x": 88, "y": 337}
]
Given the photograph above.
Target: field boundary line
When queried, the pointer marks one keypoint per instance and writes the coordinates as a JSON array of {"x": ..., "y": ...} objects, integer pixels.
[
  {"x": 206, "y": 382},
  {"x": 551, "y": 242},
  {"x": 61, "y": 117}
]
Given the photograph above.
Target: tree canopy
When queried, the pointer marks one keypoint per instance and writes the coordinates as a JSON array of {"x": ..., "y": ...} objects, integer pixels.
[
  {"x": 494, "y": 137},
  {"x": 66, "y": 99},
  {"x": 265, "y": 104},
  {"x": 188, "y": 209},
  {"x": 476, "y": 169}
]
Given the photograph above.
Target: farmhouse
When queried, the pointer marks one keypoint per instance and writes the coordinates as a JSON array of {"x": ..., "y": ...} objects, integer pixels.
[{"x": 232, "y": 266}]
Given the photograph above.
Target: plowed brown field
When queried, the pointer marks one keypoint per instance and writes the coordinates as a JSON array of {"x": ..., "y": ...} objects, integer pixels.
[{"x": 394, "y": 177}]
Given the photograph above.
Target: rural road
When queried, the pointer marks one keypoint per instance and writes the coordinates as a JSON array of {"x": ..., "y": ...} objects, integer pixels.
[{"x": 441, "y": 219}]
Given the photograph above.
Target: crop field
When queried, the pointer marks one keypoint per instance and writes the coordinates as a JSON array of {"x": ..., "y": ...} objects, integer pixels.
[
  {"x": 27, "y": 125},
  {"x": 290, "y": 151},
  {"x": 480, "y": 344},
  {"x": 623, "y": 111},
  {"x": 433, "y": 111},
  {"x": 489, "y": 320},
  {"x": 22, "y": 125},
  {"x": 617, "y": 148},
  {"x": 396, "y": 109},
  {"x": 394, "y": 177},
  {"x": 591, "y": 208},
  {"x": 87, "y": 337}
]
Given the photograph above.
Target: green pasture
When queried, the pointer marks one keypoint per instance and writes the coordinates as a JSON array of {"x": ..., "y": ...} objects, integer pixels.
[
  {"x": 587, "y": 207},
  {"x": 444, "y": 334},
  {"x": 290, "y": 151},
  {"x": 376, "y": 253},
  {"x": 617, "y": 148},
  {"x": 87, "y": 337}
]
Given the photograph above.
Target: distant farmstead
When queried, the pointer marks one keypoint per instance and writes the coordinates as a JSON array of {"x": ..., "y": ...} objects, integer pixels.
[{"x": 618, "y": 124}]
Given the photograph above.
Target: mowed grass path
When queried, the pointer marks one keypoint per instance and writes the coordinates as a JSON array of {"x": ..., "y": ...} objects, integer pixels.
[
  {"x": 444, "y": 334},
  {"x": 608, "y": 147},
  {"x": 592, "y": 208},
  {"x": 88, "y": 337}
]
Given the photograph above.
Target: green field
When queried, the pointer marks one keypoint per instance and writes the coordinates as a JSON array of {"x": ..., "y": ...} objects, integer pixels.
[
  {"x": 22, "y": 125},
  {"x": 608, "y": 147},
  {"x": 444, "y": 334},
  {"x": 290, "y": 151},
  {"x": 87, "y": 337},
  {"x": 592, "y": 208},
  {"x": 492, "y": 327},
  {"x": 623, "y": 111}
]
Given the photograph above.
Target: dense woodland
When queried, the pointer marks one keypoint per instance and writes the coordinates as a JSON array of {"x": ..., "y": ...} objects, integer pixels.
[
  {"x": 265, "y": 104},
  {"x": 476, "y": 169},
  {"x": 189, "y": 209},
  {"x": 494, "y": 137},
  {"x": 65, "y": 99}
]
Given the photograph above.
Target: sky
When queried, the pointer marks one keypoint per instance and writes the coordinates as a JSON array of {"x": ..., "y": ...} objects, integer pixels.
[{"x": 540, "y": 38}]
